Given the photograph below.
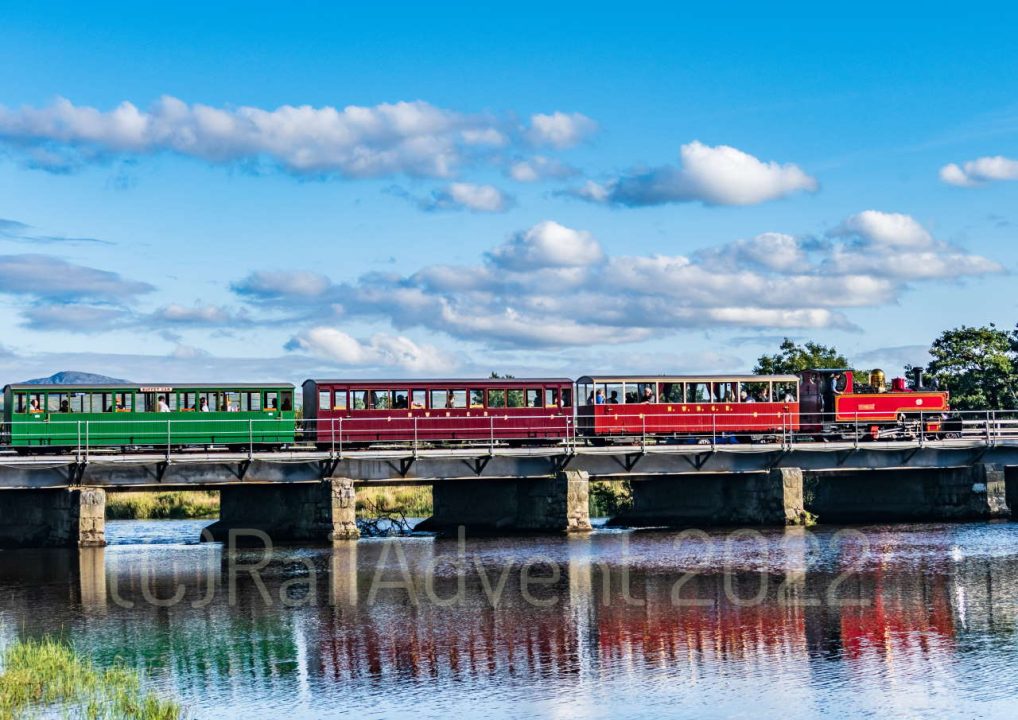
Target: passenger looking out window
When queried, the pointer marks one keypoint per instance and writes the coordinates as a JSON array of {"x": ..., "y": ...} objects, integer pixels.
[
  {"x": 203, "y": 405},
  {"x": 161, "y": 405},
  {"x": 599, "y": 397}
]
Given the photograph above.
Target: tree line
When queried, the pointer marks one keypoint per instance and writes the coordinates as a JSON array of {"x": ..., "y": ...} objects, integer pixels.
[{"x": 978, "y": 365}]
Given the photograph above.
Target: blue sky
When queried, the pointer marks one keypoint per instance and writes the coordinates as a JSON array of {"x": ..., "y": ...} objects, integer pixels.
[{"x": 255, "y": 190}]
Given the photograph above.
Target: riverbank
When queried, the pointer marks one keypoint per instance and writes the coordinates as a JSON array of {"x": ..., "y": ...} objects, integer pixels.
[
  {"x": 46, "y": 678},
  {"x": 181, "y": 505},
  {"x": 607, "y": 498}
]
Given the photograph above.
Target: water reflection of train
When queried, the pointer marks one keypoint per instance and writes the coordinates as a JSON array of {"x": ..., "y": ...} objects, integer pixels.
[{"x": 818, "y": 404}]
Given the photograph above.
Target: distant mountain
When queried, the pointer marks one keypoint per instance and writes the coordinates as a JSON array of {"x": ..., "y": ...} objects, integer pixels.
[{"x": 73, "y": 377}]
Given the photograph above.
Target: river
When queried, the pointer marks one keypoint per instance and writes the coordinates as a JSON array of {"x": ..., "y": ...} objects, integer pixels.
[{"x": 874, "y": 621}]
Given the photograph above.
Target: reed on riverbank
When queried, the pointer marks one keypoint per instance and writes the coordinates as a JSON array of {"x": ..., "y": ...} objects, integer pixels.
[
  {"x": 181, "y": 505},
  {"x": 409, "y": 500},
  {"x": 46, "y": 678}
]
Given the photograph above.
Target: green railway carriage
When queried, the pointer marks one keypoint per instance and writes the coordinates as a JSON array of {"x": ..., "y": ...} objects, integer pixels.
[{"x": 148, "y": 415}]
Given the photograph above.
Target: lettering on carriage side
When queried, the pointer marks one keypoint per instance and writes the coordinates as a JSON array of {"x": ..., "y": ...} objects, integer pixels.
[{"x": 155, "y": 388}]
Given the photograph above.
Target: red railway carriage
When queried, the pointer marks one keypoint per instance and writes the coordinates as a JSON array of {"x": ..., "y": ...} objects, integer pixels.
[
  {"x": 701, "y": 405},
  {"x": 833, "y": 399},
  {"x": 403, "y": 411}
]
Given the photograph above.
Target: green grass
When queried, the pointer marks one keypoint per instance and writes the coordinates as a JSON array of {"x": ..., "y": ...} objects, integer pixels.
[
  {"x": 411, "y": 500},
  {"x": 46, "y": 678},
  {"x": 183, "y": 505}
]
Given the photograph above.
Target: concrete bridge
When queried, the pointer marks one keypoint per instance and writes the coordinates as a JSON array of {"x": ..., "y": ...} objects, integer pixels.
[{"x": 307, "y": 494}]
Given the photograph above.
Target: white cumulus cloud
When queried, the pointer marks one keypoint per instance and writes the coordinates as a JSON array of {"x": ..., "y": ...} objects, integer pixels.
[
  {"x": 979, "y": 171},
  {"x": 412, "y": 138},
  {"x": 719, "y": 175},
  {"x": 378, "y": 351},
  {"x": 555, "y": 286},
  {"x": 560, "y": 130},
  {"x": 468, "y": 196},
  {"x": 548, "y": 245},
  {"x": 538, "y": 168}
]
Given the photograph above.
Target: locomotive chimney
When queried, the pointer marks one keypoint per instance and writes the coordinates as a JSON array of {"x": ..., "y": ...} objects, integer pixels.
[{"x": 917, "y": 377}]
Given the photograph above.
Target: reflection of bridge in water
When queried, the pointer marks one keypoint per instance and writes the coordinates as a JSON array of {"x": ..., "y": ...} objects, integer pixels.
[{"x": 369, "y": 612}]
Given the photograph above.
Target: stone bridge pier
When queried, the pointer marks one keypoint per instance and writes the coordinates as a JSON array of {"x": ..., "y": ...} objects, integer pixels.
[
  {"x": 317, "y": 512},
  {"x": 63, "y": 517},
  {"x": 558, "y": 504},
  {"x": 774, "y": 497},
  {"x": 972, "y": 492}
]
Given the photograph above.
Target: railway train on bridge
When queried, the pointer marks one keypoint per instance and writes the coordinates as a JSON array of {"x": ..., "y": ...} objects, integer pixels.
[{"x": 817, "y": 404}]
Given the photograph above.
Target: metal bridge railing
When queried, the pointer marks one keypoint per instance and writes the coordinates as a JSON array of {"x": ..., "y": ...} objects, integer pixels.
[{"x": 490, "y": 430}]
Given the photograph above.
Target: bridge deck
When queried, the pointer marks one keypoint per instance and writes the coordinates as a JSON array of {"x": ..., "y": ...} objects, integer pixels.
[{"x": 305, "y": 464}]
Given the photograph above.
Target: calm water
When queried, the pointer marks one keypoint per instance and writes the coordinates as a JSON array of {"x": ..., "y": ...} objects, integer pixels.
[{"x": 867, "y": 622}]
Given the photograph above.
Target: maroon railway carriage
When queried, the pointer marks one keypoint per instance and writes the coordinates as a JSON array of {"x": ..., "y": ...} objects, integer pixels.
[
  {"x": 703, "y": 406},
  {"x": 342, "y": 412}
]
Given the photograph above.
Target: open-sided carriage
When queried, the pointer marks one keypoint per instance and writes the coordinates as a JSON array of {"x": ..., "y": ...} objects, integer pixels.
[{"x": 151, "y": 415}]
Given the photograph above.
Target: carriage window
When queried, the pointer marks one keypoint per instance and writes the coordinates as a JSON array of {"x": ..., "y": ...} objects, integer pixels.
[
  {"x": 324, "y": 399},
  {"x": 418, "y": 399},
  {"x": 496, "y": 398},
  {"x": 456, "y": 399},
  {"x": 755, "y": 392},
  {"x": 188, "y": 401},
  {"x": 671, "y": 392},
  {"x": 646, "y": 392},
  {"x": 338, "y": 400},
  {"x": 229, "y": 401},
  {"x": 699, "y": 392},
  {"x": 33, "y": 403},
  {"x": 250, "y": 401},
  {"x": 124, "y": 402},
  {"x": 378, "y": 400},
  {"x": 727, "y": 391},
  {"x": 614, "y": 393},
  {"x": 358, "y": 399},
  {"x": 567, "y": 397},
  {"x": 287, "y": 405},
  {"x": 534, "y": 398},
  {"x": 272, "y": 400},
  {"x": 19, "y": 403},
  {"x": 57, "y": 402},
  {"x": 586, "y": 391},
  {"x": 477, "y": 398},
  {"x": 515, "y": 399},
  {"x": 785, "y": 392},
  {"x": 551, "y": 397},
  {"x": 77, "y": 402},
  {"x": 400, "y": 399}
]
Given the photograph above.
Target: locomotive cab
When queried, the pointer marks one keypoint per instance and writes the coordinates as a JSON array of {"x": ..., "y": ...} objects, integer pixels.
[{"x": 818, "y": 390}]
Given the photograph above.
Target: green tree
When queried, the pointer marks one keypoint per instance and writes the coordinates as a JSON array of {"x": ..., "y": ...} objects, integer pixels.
[
  {"x": 792, "y": 358},
  {"x": 978, "y": 365}
]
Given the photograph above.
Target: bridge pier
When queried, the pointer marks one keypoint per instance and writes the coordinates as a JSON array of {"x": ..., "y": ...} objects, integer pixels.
[
  {"x": 74, "y": 517},
  {"x": 542, "y": 505},
  {"x": 753, "y": 498},
  {"x": 314, "y": 512},
  {"x": 974, "y": 492},
  {"x": 1011, "y": 487}
]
